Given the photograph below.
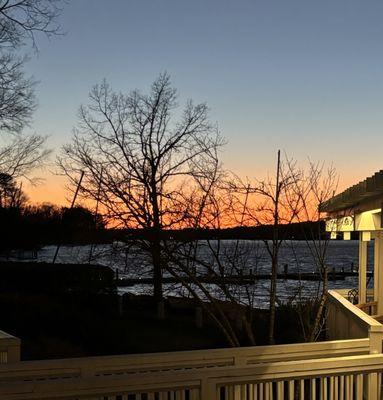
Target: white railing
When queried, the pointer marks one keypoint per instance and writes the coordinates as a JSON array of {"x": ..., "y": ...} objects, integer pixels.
[
  {"x": 9, "y": 348},
  {"x": 347, "y": 321},
  {"x": 175, "y": 361},
  {"x": 347, "y": 378},
  {"x": 344, "y": 369}
]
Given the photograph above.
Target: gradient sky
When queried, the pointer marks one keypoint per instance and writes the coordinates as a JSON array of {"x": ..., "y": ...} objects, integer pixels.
[{"x": 305, "y": 76}]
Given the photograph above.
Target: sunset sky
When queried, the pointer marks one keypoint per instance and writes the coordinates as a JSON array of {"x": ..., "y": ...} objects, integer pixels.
[{"x": 303, "y": 76}]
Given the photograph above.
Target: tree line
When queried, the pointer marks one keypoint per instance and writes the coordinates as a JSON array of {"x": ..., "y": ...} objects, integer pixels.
[{"x": 33, "y": 226}]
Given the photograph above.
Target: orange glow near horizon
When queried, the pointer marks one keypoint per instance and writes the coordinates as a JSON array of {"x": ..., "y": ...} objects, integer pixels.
[
  {"x": 50, "y": 190},
  {"x": 53, "y": 190}
]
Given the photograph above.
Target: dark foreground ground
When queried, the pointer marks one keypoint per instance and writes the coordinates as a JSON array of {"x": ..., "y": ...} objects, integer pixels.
[{"x": 58, "y": 313}]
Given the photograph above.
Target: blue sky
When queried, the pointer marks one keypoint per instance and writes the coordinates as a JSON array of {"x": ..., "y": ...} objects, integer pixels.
[{"x": 302, "y": 76}]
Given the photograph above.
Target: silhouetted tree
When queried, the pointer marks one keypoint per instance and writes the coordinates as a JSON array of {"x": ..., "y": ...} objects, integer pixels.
[
  {"x": 11, "y": 195},
  {"x": 139, "y": 161},
  {"x": 23, "y": 154},
  {"x": 79, "y": 223},
  {"x": 228, "y": 305},
  {"x": 20, "y": 22},
  {"x": 293, "y": 195},
  {"x": 315, "y": 186}
]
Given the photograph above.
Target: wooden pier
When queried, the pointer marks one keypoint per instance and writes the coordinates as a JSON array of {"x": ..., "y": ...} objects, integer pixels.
[{"x": 243, "y": 279}]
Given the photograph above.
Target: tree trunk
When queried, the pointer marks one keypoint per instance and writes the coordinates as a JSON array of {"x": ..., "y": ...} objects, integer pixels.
[
  {"x": 274, "y": 254},
  {"x": 273, "y": 295},
  {"x": 321, "y": 306},
  {"x": 156, "y": 250},
  {"x": 157, "y": 270}
]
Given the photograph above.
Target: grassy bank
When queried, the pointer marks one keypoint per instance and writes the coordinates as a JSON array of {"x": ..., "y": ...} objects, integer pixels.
[{"x": 60, "y": 311}]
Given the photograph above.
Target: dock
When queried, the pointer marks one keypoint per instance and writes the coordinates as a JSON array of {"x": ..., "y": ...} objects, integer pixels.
[{"x": 242, "y": 279}]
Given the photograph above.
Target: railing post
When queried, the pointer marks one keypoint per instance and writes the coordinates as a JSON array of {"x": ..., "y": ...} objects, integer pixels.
[
  {"x": 377, "y": 249},
  {"x": 13, "y": 354},
  {"x": 362, "y": 269},
  {"x": 330, "y": 319},
  {"x": 378, "y": 265},
  {"x": 375, "y": 335}
]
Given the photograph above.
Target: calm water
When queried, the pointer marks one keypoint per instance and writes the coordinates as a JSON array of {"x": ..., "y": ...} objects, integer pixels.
[{"x": 252, "y": 256}]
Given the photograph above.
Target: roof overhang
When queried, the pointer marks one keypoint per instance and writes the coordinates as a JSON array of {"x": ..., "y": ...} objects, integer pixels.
[{"x": 364, "y": 191}]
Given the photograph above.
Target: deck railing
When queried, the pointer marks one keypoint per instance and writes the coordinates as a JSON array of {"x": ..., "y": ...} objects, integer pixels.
[
  {"x": 135, "y": 364},
  {"x": 347, "y": 378},
  {"x": 9, "y": 348},
  {"x": 344, "y": 369},
  {"x": 347, "y": 321}
]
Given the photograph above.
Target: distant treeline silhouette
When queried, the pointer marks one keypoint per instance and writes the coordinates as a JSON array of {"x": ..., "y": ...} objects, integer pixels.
[
  {"x": 294, "y": 231},
  {"x": 33, "y": 226}
]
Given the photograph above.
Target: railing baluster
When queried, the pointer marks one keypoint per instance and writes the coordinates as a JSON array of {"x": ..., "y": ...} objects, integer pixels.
[
  {"x": 323, "y": 388},
  {"x": 194, "y": 394},
  {"x": 313, "y": 389},
  {"x": 291, "y": 390},
  {"x": 261, "y": 389},
  {"x": 271, "y": 393},
  {"x": 341, "y": 387},
  {"x": 280, "y": 390},
  {"x": 250, "y": 391},
  {"x": 336, "y": 387},
  {"x": 301, "y": 389},
  {"x": 267, "y": 390},
  {"x": 230, "y": 393},
  {"x": 180, "y": 394},
  {"x": 348, "y": 387},
  {"x": 237, "y": 392},
  {"x": 359, "y": 387},
  {"x": 331, "y": 388}
]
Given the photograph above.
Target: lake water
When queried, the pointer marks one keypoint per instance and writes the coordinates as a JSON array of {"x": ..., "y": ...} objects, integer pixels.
[{"x": 252, "y": 255}]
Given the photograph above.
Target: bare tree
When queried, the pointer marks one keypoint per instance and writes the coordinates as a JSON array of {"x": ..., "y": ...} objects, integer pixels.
[
  {"x": 292, "y": 195},
  {"x": 17, "y": 100},
  {"x": 21, "y": 155},
  {"x": 11, "y": 194},
  {"x": 274, "y": 208},
  {"x": 139, "y": 161},
  {"x": 21, "y": 20},
  {"x": 305, "y": 195},
  {"x": 206, "y": 268}
]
